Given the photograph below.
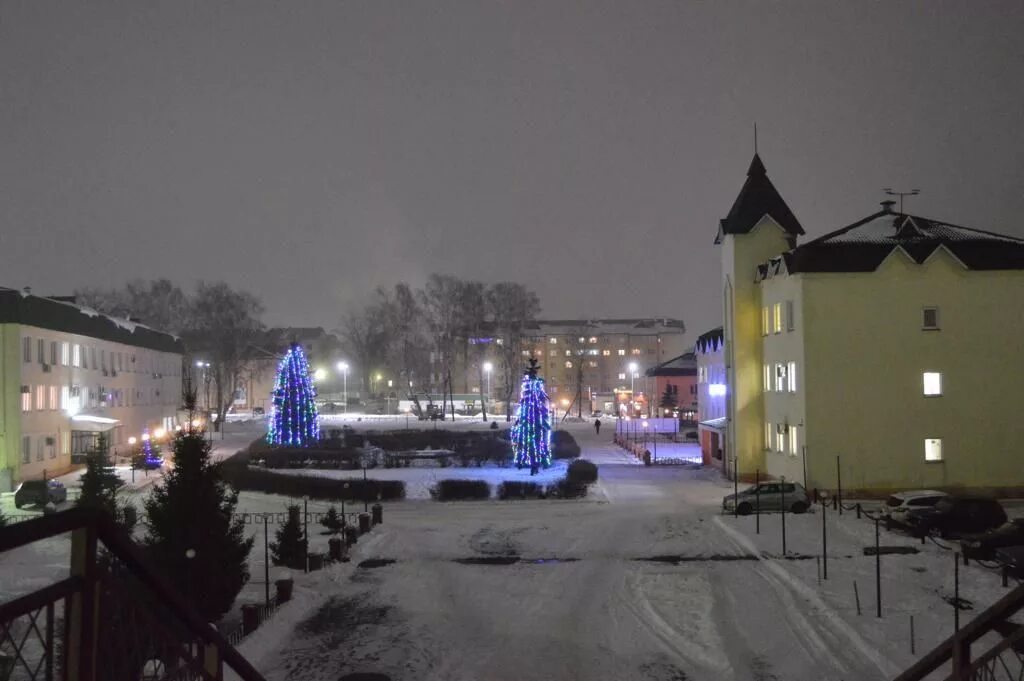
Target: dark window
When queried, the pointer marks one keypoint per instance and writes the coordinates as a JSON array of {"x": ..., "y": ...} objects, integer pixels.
[{"x": 930, "y": 318}]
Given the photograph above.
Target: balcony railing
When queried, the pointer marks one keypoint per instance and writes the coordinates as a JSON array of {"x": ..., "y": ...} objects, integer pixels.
[{"x": 113, "y": 618}]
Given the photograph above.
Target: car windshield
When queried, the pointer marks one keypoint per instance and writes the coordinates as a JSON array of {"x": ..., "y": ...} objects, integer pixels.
[{"x": 893, "y": 501}]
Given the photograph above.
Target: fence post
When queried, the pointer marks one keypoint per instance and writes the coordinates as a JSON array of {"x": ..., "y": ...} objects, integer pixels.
[
  {"x": 856, "y": 596},
  {"x": 266, "y": 560},
  {"x": 83, "y": 618},
  {"x": 878, "y": 572},
  {"x": 735, "y": 487},
  {"x": 757, "y": 501},
  {"x": 956, "y": 591},
  {"x": 839, "y": 487},
  {"x": 782, "y": 487},
  {"x": 824, "y": 544},
  {"x": 913, "y": 650}
]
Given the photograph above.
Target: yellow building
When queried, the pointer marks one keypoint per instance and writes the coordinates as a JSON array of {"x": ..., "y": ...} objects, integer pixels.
[{"x": 888, "y": 353}]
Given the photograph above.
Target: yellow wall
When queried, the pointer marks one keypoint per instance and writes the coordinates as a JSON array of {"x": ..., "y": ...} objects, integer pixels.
[
  {"x": 741, "y": 254},
  {"x": 865, "y": 353},
  {"x": 10, "y": 404}
]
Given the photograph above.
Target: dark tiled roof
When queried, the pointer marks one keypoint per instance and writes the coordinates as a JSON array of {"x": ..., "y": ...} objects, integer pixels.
[
  {"x": 683, "y": 365},
  {"x": 710, "y": 341},
  {"x": 17, "y": 307},
  {"x": 862, "y": 246},
  {"x": 757, "y": 198}
]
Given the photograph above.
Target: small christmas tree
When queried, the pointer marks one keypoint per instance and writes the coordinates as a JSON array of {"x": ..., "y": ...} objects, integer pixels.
[
  {"x": 332, "y": 521},
  {"x": 150, "y": 454},
  {"x": 99, "y": 481},
  {"x": 289, "y": 549},
  {"x": 193, "y": 532},
  {"x": 668, "y": 399},
  {"x": 293, "y": 419},
  {"x": 531, "y": 434}
]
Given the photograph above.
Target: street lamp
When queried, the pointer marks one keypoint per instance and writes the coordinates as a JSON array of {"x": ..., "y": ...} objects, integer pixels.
[
  {"x": 376, "y": 380},
  {"x": 488, "y": 368},
  {"x": 320, "y": 374},
  {"x": 632, "y": 387},
  {"x": 343, "y": 368}
]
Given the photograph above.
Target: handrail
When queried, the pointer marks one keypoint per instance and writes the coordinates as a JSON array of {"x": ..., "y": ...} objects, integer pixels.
[
  {"x": 971, "y": 632},
  {"x": 39, "y": 598},
  {"x": 116, "y": 540},
  {"x": 1012, "y": 641}
]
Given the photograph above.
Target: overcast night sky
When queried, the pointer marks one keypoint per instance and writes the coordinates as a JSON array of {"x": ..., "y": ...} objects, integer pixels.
[{"x": 310, "y": 151}]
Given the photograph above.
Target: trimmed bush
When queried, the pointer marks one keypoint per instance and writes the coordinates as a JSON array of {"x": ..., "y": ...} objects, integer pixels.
[
  {"x": 461, "y": 490},
  {"x": 566, "y": 489},
  {"x": 582, "y": 472},
  {"x": 563, "y": 445},
  {"x": 243, "y": 478},
  {"x": 513, "y": 489}
]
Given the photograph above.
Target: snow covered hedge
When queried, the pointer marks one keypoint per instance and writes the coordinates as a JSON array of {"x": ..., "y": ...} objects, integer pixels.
[
  {"x": 582, "y": 472},
  {"x": 514, "y": 489},
  {"x": 563, "y": 445},
  {"x": 243, "y": 478},
  {"x": 461, "y": 490}
]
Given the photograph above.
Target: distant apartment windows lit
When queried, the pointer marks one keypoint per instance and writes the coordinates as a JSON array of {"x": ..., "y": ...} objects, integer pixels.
[
  {"x": 592, "y": 364},
  {"x": 40, "y": 397},
  {"x": 606, "y": 353},
  {"x": 594, "y": 352},
  {"x": 26, "y": 398},
  {"x": 554, "y": 353},
  {"x": 568, "y": 365},
  {"x": 716, "y": 389},
  {"x": 553, "y": 341},
  {"x": 526, "y": 353},
  {"x": 780, "y": 377},
  {"x": 930, "y": 319},
  {"x": 933, "y": 449},
  {"x": 53, "y": 398},
  {"x": 764, "y": 320},
  {"x": 790, "y": 319},
  {"x": 568, "y": 353},
  {"x": 637, "y": 351},
  {"x": 792, "y": 441},
  {"x": 932, "y": 384},
  {"x": 791, "y": 376},
  {"x": 622, "y": 377},
  {"x": 65, "y": 397},
  {"x": 777, "y": 318},
  {"x": 593, "y": 339},
  {"x": 65, "y": 354},
  {"x": 622, "y": 352},
  {"x": 76, "y": 355}
]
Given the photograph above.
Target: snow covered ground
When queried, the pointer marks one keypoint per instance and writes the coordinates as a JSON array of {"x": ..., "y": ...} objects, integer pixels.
[{"x": 644, "y": 579}]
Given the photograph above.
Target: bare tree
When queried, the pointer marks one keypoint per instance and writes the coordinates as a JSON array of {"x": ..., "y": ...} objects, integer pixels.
[
  {"x": 512, "y": 308},
  {"x": 366, "y": 335},
  {"x": 409, "y": 347},
  {"x": 440, "y": 300},
  {"x": 222, "y": 324},
  {"x": 159, "y": 304},
  {"x": 472, "y": 328}
]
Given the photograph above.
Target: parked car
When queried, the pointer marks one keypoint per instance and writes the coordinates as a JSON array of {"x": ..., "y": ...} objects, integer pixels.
[
  {"x": 899, "y": 505},
  {"x": 983, "y": 546},
  {"x": 768, "y": 496},
  {"x": 954, "y": 517},
  {"x": 40, "y": 493}
]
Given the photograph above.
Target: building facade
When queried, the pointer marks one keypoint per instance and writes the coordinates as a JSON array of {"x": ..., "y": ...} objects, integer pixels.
[
  {"x": 70, "y": 373},
  {"x": 885, "y": 354},
  {"x": 712, "y": 397},
  {"x": 675, "y": 379}
]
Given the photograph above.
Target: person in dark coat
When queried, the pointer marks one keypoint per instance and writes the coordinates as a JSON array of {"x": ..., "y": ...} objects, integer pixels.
[{"x": 597, "y": 426}]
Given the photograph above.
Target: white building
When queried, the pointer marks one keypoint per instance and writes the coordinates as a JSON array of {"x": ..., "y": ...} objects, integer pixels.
[{"x": 68, "y": 373}]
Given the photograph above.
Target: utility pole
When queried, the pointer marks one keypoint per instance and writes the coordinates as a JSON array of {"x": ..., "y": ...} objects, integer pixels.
[{"x": 889, "y": 191}]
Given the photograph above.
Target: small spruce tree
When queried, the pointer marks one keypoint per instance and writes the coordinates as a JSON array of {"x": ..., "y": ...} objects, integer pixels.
[
  {"x": 193, "y": 533},
  {"x": 668, "y": 399},
  {"x": 100, "y": 484},
  {"x": 332, "y": 521},
  {"x": 290, "y": 548}
]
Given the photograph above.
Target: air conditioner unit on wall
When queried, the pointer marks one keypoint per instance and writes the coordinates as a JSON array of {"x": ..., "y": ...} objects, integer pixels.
[{"x": 47, "y": 368}]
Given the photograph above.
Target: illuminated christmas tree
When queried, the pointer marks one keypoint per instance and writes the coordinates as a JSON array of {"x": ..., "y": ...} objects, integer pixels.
[
  {"x": 531, "y": 434},
  {"x": 293, "y": 420},
  {"x": 151, "y": 456}
]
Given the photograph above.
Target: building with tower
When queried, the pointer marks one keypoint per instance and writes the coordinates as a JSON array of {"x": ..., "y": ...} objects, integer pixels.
[{"x": 886, "y": 353}]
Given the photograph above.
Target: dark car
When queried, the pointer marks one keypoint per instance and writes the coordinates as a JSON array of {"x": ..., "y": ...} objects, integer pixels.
[
  {"x": 40, "y": 493},
  {"x": 954, "y": 517},
  {"x": 983, "y": 546}
]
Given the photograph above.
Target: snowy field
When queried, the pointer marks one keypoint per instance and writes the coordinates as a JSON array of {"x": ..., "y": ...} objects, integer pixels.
[{"x": 644, "y": 579}]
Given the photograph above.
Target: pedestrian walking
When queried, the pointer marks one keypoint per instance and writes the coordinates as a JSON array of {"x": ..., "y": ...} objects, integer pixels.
[{"x": 597, "y": 426}]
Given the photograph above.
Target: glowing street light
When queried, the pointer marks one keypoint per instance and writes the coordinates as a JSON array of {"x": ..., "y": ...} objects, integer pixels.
[
  {"x": 632, "y": 386},
  {"x": 320, "y": 374},
  {"x": 343, "y": 368},
  {"x": 159, "y": 433},
  {"x": 488, "y": 368},
  {"x": 132, "y": 440}
]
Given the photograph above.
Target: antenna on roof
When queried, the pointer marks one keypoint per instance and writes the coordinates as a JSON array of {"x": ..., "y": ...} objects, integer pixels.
[
  {"x": 890, "y": 192},
  {"x": 755, "y": 138}
]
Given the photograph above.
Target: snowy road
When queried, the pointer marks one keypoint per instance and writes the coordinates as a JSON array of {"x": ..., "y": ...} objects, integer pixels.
[{"x": 581, "y": 602}]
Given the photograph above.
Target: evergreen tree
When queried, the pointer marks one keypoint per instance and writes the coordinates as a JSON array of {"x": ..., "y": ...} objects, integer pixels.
[
  {"x": 531, "y": 434},
  {"x": 294, "y": 421},
  {"x": 100, "y": 484},
  {"x": 193, "y": 533},
  {"x": 668, "y": 399},
  {"x": 332, "y": 521},
  {"x": 290, "y": 548},
  {"x": 3, "y": 519}
]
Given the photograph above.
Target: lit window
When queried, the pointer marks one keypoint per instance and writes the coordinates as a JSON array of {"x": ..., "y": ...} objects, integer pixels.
[
  {"x": 26, "y": 398},
  {"x": 933, "y": 449},
  {"x": 637, "y": 351},
  {"x": 554, "y": 353},
  {"x": 76, "y": 355},
  {"x": 553, "y": 341},
  {"x": 40, "y": 397},
  {"x": 932, "y": 383},
  {"x": 767, "y": 435},
  {"x": 622, "y": 377},
  {"x": 790, "y": 319},
  {"x": 716, "y": 389},
  {"x": 780, "y": 439},
  {"x": 792, "y": 441},
  {"x": 930, "y": 318},
  {"x": 764, "y": 320},
  {"x": 500, "y": 341},
  {"x": 526, "y": 353},
  {"x": 593, "y": 352},
  {"x": 592, "y": 363},
  {"x": 65, "y": 354},
  {"x": 780, "y": 377},
  {"x": 622, "y": 352},
  {"x": 568, "y": 365},
  {"x": 767, "y": 378},
  {"x": 791, "y": 376},
  {"x": 53, "y": 397},
  {"x": 606, "y": 353},
  {"x": 593, "y": 339},
  {"x": 582, "y": 339},
  {"x": 777, "y": 318},
  {"x": 65, "y": 397},
  {"x": 568, "y": 353}
]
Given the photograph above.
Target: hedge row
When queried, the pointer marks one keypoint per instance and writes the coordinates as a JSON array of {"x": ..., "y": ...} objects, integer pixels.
[
  {"x": 242, "y": 477},
  {"x": 563, "y": 445},
  {"x": 582, "y": 471},
  {"x": 455, "y": 440}
]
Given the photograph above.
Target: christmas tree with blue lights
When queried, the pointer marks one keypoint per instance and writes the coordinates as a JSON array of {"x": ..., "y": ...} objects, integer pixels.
[
  {"x": 531, "y": 434},
  {"x": 294, "y": 421}
]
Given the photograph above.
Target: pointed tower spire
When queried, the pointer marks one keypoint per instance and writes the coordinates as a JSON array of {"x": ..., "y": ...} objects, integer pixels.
[{"x": 756, "y": 199}]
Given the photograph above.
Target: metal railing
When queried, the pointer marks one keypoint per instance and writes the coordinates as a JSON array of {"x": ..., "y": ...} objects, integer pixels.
[{"x": 114, "y": 618}]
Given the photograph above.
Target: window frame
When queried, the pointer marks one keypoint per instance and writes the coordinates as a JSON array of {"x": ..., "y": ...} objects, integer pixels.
[
  {"x": 937, "y": 326},
  {"x": 927, "y": 444},
  {"x": 790, "y": 316},
  {"x": 924, "y": 387}
]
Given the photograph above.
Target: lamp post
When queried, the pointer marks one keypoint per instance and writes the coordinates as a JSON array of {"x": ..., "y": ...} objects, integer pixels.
[
  {"x": 632, "y": 388},
  {"x": 343, "y": 368},
  {"x": 488, "y": 368},
  {"x": 376, "y": 380}
]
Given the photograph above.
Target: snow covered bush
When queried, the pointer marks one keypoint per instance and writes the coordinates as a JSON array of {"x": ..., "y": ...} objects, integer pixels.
[
  {"x": 461, "y": 490},
  {"x": 582, "y": 472},
  {"x": 566, "y": 489},
  {"x": 244, "y": 478},
  {"x": 512, "y": 489},
  {"x": 563, "y": 445}
]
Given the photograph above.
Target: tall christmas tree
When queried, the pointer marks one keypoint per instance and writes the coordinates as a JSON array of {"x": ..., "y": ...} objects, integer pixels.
[
  {"x": 293, "y": 421},
  {"x": 531, "y": 434}
]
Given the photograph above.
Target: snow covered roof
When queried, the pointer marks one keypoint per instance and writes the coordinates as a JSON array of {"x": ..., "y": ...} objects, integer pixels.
[
  {"x": 683, "y": 365},
  {"x": 632, "y": 327},
  {"x": 710, "y": 341},
  {"x": 862, "y": 246},
  {"x": 22, "y": 307},
  {"x": 757, "y": 198}
]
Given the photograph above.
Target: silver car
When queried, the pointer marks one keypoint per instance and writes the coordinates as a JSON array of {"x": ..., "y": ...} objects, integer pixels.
[{"x": 768, "y": 496}]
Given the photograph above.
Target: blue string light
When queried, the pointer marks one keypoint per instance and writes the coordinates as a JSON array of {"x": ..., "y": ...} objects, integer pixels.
[
  {"x": 294, "y": 421},
  {"x": 531, "y": 434}
]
